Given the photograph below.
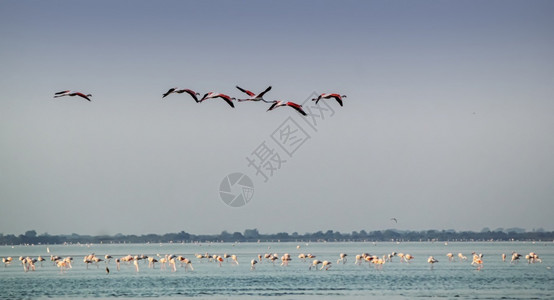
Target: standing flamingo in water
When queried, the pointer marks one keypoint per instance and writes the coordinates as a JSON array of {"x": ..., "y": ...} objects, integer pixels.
[
  {"x": 254, "y": 97},
  {"x": 7, "y": 261},
  {"x": 337, "y": 97},
  {"x": 325, "y": 264},
  {"x": 342, "y": 258},
  {"x": 432, "y": 261},
  {"x": 71, "y": 93},
  {"x": 297, "y": 107},
  {"x": 212, "y": 95},
  {"x": 314, "y": 264}
]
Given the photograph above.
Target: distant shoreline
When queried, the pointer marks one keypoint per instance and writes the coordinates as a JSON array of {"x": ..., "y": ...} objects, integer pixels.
[{"x": 252, "y": 235}]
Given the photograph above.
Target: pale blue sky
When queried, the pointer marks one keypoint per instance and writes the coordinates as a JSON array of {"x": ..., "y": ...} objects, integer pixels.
[{"x": 447, "y": 125}]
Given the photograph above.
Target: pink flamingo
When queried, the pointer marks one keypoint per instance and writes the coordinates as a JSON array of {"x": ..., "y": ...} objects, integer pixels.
[
  {"x": 170, "y": 91},
  {"x": 192, "y": 93},
  {"x": 337, "y": 97},
  {"x": 71, "y": 93},
  {"x": 297, "y": 107},
  {"x": 212, "y": 95},
  {"x": 254, "y": 97}
]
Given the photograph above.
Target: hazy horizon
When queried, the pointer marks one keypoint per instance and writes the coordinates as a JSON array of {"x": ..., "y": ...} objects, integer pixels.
[
  {"x": 506, "y": 230},
  {"x": 447, "y": 123}
]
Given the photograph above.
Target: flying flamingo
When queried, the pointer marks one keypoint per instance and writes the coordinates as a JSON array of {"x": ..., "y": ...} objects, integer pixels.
[
  {"x": 170, "y": 91},
  {"x": 212, "y": 95},
  {"x": 254, "y": 97},
  {"x": 297, "y": 107},
  {"x": 192, "y": 93},
  {"x": 337, "y": 97},
  {"x": 71, "y": 93}
]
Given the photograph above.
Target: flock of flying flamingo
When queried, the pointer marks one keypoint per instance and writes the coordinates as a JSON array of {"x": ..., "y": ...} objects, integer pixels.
[
  {"x": 211, "y": 95},
  {"x": 170, "y": 261}
]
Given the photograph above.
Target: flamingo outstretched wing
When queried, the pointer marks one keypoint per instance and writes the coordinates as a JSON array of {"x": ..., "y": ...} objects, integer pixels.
[
  {"x": 263, "y": 93},
  {"x": 249, "y": 93},
  {"x": 297, "y": 107},
  {"x": 82, "y": 95},
  {"x": 171, "y": 90}
]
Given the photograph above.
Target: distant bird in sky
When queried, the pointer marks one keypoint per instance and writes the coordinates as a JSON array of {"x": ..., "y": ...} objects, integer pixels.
[
  {"x": 254, "y": 97},
  {"x": 71, "y": 93},
  {"x": 337, "y": 97},
  {"x": 212, "y": 95},
  {"x": 297, "y": 107},
  {"x": 170, "y": 91},
  {"x": 394, "y": 219},
  {"x": 192, "y": 93}
]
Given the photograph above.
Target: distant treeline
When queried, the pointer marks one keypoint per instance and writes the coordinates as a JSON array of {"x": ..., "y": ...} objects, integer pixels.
[{"x": 252, "y": 235}]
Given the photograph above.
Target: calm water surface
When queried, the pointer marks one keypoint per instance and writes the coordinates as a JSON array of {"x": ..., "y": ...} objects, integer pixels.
[{"x": 497, "y": 279}]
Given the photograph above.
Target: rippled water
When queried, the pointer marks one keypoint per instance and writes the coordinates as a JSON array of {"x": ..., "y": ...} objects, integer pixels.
[{"x": 395, "y": 280}]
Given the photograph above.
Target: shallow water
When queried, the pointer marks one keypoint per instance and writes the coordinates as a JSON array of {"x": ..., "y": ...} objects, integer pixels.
[{"x": 395, "y": 280}]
